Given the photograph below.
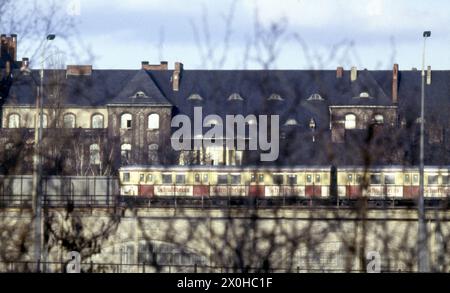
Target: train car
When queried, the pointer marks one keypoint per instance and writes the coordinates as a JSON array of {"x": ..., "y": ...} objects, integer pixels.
[
  {"x": 392, "y": 182},
  {"x": 221, "y": 181},
  {"x": 17, "y": 190}
]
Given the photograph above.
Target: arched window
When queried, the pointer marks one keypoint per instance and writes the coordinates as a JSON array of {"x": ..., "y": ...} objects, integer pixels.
[
  {"x": 153, "y": 157},
  {"x": 235, "y": 97},
  {"x": 125, "y": 152},
  {"x": 291, "y": 122},
  {"x": 350, "y": 121},
  {"x": 125, "y": 121},
  {"x": 94, "y": 154},
  {"x": 44, "y": 120},
  {"x": 153, "y": 121},
  {"x": 14, "y": 121},
  {"x": 9, "y": 148},
  {"x": 97, "y": 121},
  {"x": 69, "y": 120},
  {"x": 379, "y": 119}
]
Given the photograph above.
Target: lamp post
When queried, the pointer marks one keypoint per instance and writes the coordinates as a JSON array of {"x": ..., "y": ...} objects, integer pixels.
[
  {"x": 37, "y": 162},
  {"x": 423, "y": 256}
]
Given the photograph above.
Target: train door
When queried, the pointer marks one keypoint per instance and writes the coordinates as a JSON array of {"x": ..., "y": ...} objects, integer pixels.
[
  {"x": 411, "y": 185},
  {"x": 354, "y": 185},
  {"x": 201, "y": 184},
  {"x": 313, "y": 188},
  {"x": 257, "y": 186},
  {"x": 376, "y": 187},
  {"x": 146, "y": 187}
]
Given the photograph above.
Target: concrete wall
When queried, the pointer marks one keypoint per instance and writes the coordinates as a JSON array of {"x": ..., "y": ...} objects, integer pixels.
[{"x": 237, "y": 239}]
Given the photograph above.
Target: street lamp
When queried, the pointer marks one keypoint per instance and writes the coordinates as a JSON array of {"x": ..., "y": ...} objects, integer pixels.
[
  {"x": 423, "y": 256},
  {"x": 37, "y": 161}
]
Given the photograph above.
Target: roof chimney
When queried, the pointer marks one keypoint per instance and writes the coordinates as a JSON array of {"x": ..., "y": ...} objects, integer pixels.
[
  {"x": 176, "y": 76},
  {"x": 13, "y": 47},
  {"x": 3, "y": 46},
  {"x": 395, "y": 84},
  {"x": 162, "y": 66},
  {"x": 339, "y": 72},
  {"x": 354, "y": 74},
  {"x": 429, "y": 75},
  {"x": 25, "y": 63},
  {"x": 79, "y": 70}
]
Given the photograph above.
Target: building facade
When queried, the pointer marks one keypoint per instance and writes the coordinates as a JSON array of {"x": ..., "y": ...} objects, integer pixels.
[{"x": 95, "y": 121}]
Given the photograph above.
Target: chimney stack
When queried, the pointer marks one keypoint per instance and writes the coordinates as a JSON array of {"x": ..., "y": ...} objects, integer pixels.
[
  {"x": 339, "y": 72},
  {"x": 395, "y": 84},
  {"x": 176, "y": 76},
  {"x": 78, "y": 70},
  {"x": 25, "y": 65},
  {"x": 429, "y": 75},
  {"x": 354, "y": 74},
  {"x": 13, "y": 47},
  {"x": 162, "y": 66}
]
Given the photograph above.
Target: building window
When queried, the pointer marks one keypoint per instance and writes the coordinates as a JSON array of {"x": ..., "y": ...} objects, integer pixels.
[
  {"x": 125, "y": 152},
  {"x": 125, "y": 121},
  {"x": 69, "y": 120},
  {"x": 153, "y": 153},
  {"x": 275, "y": 97},
  {"x": 153, "y": 121},
  {"x": 291, "y": 122},
  {"x": 195, "y": 97},
  {"x": 235, "y": 97},
  {"x": 126, "y": 177},
  {"x": 97, "y": 121},
  {"x": 14, "y": 121},
  {"x": 350, "y": 121},
  {"x": 379, "y": 119},
  {"x": 315, "y": 97},
  {"x": 94, "y": 154}
]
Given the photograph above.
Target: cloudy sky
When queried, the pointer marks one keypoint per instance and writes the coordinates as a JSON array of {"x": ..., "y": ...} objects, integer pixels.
[{"x": 296, "y": 33}]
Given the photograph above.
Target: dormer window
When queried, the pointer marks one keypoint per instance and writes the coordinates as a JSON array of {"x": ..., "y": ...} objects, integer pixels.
[
  {"x": 364, "y": 95},
  {"x": 379, "y": 119},
  {"x": 235, "y": 97},
  {"x": 140, "y": 94},
  {"x": 275, "y": 97},
  {"x": 315, "y": 97},
  {"x": 291, "y": 122},
  {"x": 195, "y": 97}
]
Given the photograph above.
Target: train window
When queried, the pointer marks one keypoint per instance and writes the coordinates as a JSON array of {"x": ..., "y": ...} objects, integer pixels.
[
  {"x": 141, "y": 177},
  {"x": 389, "y": 179},
  {"x": 278, "y": 179},
  {"x": 317, "y": 178},
  {"x": 349, "y": 178},
  {"x": 222, "y": 179},
  {"x": 197, "y": 178},
  {"x": 236, "y": 179},
  {"x": 205, "y": 178},
  {"x": 407, "y": 179},
  {"x": 292, "y": 179},
  {"x": 375, "y": 179},
  {"x": 253, "y": 178},
  {"x": 446, "y": 179},
  {"x": 432, "y": 179},
  {"x": 415, "y": 178},
  {"x": 180, "y": 179},
  {"x": 126, "y": 177},
  {"x": 261, "y": 178},
  {"x": 167, "y": 178},
  {"x": 309, "y": 178},
  {"x": 149, "y": 178},
  {"x": 359, "y": 179}
]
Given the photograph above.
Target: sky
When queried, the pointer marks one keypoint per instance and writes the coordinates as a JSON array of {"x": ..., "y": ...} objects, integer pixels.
[{"x": 370, "y": 34}]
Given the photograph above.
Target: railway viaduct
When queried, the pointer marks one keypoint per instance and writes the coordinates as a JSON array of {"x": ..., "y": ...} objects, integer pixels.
[{"x": 289, "y": 239}]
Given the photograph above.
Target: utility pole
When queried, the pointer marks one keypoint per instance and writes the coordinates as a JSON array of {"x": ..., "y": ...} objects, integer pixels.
[
  {"x": 422, "y": 245},
  {"x": 37, "y": 162}
]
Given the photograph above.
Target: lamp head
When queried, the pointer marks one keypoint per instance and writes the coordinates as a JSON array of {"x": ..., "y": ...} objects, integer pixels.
[
  {"x": 427, "y": 34},
  {"x": 50, "y": 37}
]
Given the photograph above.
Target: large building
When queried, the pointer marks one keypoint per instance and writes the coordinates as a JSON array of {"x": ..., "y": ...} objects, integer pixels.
[{"x": 96, "y": 120}]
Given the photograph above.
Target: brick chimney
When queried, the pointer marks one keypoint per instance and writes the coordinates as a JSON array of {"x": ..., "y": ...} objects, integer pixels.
[
  {"x": 13, "y": 47},
  {"x": 176, "y": 76},
  {"x": 429, "y": 75},
  {"x": 162, "y": 66},
  {"x": 354, "y": 74},
  {"x": 78, "y": 70},
  {"x": 395, "y": 84},
  {"x": 340, "y": 72}
]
